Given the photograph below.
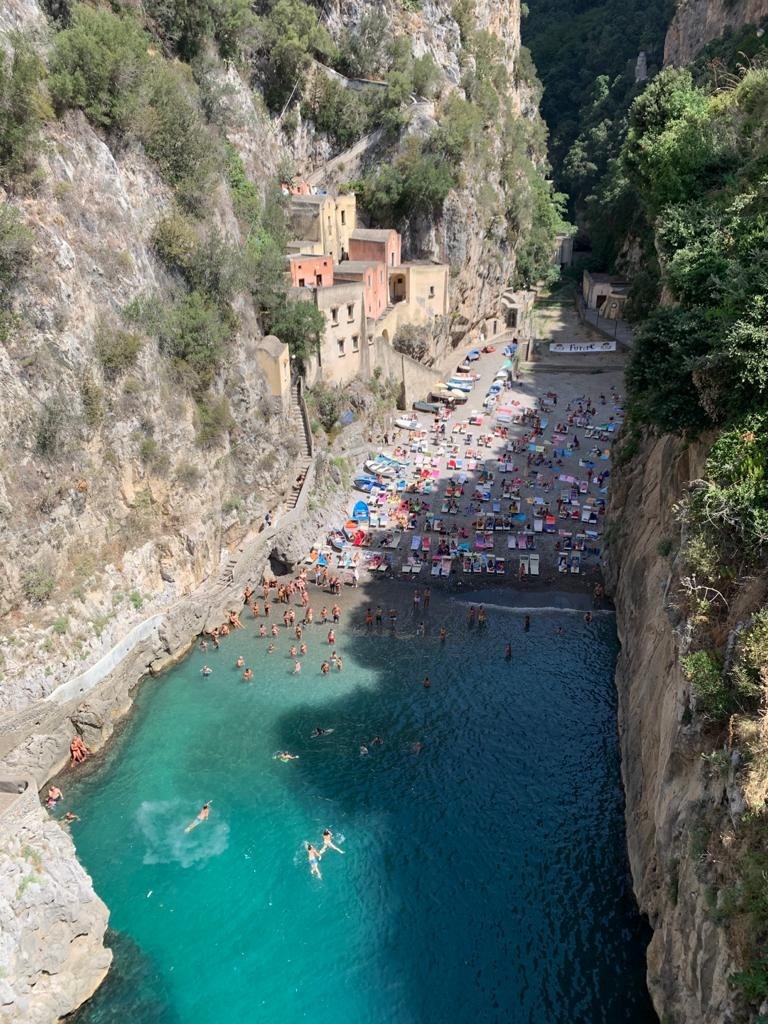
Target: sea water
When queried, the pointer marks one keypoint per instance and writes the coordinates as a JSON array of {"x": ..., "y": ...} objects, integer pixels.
[{"x": 484, "y": 876}]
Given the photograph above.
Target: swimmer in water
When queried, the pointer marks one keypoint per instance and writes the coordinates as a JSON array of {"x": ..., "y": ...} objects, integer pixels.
[
  {"x": 527, "y": 623},
  {"x": 296, "y": 667},
  {"x": 271, "y": 649},
  {"x": 262, "y": 630},
  {"x": 416, "y": 747},
  {"x": 363, "y": 750},
  {"x": 206, "y": 670},
  {"x": 588, "y": 618},
  {"x": 203, "y": 645},
  {"x": 53, "y": 797},
  {"x": 292, "y": 650},
  {"x": 328, "y": 843},
  {"x": 508, "y": 652},
  {"x": 248, "y": 675},
  {"x": 283, "y": 755},
  {"x": 427, "y": 683},
  {"x": 205, "y": 810},
  {"x": 325, "y": 668},
  {"x": 274, "y": 629},
  {"x": 240, "y": 662},
  {"x": 313, "y": 856},
  {"x": 317, "y": 731},
  {"x": 376, "y": 741},
  {"x": 443, "y": 634},
  {"x": 302, "y": 648}
]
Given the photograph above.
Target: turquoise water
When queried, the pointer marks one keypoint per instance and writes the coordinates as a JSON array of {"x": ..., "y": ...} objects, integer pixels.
[{"x": 484, "y": 878}]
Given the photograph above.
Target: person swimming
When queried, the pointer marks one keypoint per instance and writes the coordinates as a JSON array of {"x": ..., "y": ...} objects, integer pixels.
[
  {"x": 527, "y": 623},
  {"x": 296, "y": 667},
  {"x": 443, "y": 634},
  {"x": 206, "y": 670},
  {"x": 318, "y": 731},
  {"x": 313, "y": 856},
  {"x": 53, "y": 797},
  {"x": 240, "y": 662},
  {"x": 248, "y": 675},
  {"x": 205, "y": 810},
  {"x": 328, "y": 843},
  {"x": 427, "y": 682},
  {"x": 508, "y": 652},
  {"x": 271, "y": 649},
  {"x": 284, "y": 755},
  {"x": 363, "y": 750}
]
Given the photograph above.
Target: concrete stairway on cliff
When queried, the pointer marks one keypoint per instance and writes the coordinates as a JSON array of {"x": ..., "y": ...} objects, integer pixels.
[{"x": 299, "y": 431}]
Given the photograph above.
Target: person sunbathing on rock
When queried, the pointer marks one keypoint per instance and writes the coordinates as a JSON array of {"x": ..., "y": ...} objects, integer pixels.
[{"x": 234, "y": 620}]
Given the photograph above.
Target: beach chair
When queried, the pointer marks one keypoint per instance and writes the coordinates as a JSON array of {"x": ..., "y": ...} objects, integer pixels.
[
  {"x": 501, "y": 566},
  {"x": 406, "y": 569},
  {"x": 416, "y": 542},
  {"x": 426, "y": 543},
  {"x": 511, "y": 543},
  {"x": 435, "y": 570},
  {"x": 477, "y": 565},
  {"x": 446, "y": 565},
  {"x": 534, "y": 565},
  {"x": 416, "y": 569},
  {"x": 466, "y": 564},
  {"x": 496, "y": 506},
  {"x": 525, "y": 564},
  {"x": 490, "y": 566},
  {"x": 575, "y": 564},
  {"x": 562, "y": 563},
  {"x": 538, "y": 525}
]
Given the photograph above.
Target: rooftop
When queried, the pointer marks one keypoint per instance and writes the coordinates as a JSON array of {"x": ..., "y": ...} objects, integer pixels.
[
  {"x": 371, "y": 234},
  {"x": 309, "y": 256},
  {"x": 357, "y": 267}
]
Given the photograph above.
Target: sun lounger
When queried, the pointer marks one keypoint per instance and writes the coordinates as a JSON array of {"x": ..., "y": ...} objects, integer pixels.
[
  {"x": 534, "y": 565},
  {"x": 416, "y": 569},
  {"x": 477, "y": 565},
  {"x": 538, "y": 525},
  {"x": 525, "y": 565},
  {"x": 511, "y": 543},
  {"x": 446, "y": 565},
  {"x": 426, "y": 543},
  {"x": 575, "y": 564},
  {"x": 406, "y": 569},
  {"x": 416, "y": 542},
  {"x": 435, "y": 570}
]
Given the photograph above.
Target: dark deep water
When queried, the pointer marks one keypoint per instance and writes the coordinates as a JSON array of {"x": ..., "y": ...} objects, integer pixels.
[{"x": 485, "y": 878}]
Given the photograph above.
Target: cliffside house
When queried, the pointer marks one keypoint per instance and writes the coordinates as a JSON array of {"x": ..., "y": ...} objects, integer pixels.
[
  {"x": 372, "y": 277},
  {"x": 343, "y": 344},
  {"x": 308, "y": 271},
  {"x": 274, "y": 362},
  {"x": 375, "y": 245},
  {"x": 606, "y": 293},
  {"x": 321, "y": 224}
]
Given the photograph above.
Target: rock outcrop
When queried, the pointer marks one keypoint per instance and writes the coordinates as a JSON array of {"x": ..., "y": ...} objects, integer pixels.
[
  {"x": 673, "y": 803},
  {"x": 698, "y": 22},
  {"x": 52, "y": 924}
]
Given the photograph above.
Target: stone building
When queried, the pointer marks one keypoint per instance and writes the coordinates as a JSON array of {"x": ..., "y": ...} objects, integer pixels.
[
  {"x": 274, "y": 362},
  {"x": 309, "y": 271},
  {"x": 563, "y": 255},
  {"x": 321, "y": 224},
  {"x": 343, "y": 344},
  {"x": 606, "y": 293},
  {"x": 376, "y": 245},
  {"x": 373, "y": 278}
]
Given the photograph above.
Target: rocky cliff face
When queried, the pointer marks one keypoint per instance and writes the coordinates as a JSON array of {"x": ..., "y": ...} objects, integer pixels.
[
  {"x": 679, "y": 825},
  {"x": 470, "y": 231},
  {"x": 698, "y": 22},
  {"x": 51, "y": 921}
]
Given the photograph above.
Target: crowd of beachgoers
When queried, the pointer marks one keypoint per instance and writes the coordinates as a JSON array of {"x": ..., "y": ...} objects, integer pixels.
[{"x": 489, "y": 492}]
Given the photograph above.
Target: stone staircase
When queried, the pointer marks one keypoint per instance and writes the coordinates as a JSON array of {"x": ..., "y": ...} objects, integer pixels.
[{"x": 304, "y": 458}]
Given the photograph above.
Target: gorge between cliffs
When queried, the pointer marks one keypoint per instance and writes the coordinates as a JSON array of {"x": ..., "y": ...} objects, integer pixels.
[{"x": 500, "y": 275}]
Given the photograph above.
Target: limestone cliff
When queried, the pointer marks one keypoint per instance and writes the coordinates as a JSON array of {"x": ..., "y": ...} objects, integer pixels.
[
  {"x": 698, "y": 22},
  {"x": 470, "y": 230},
  {"x": 51, "y": 921},
  {"x": 683, "y": 780}
]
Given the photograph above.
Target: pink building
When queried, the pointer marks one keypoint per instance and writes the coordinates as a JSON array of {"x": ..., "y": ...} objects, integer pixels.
[
  {"x": 311, "y": 271},
  {"x": 372, "y": 276},
  {"x": 374, "y": 245}
]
